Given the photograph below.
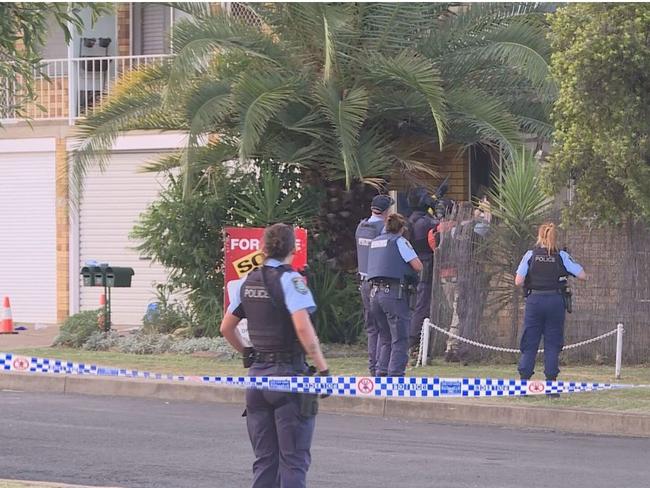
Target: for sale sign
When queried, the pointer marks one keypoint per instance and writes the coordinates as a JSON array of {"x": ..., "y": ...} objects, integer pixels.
[{"x": 243, "y": 252}]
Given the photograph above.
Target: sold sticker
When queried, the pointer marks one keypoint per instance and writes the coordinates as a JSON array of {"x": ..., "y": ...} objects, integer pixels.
[{"x": 248, "y": 263}]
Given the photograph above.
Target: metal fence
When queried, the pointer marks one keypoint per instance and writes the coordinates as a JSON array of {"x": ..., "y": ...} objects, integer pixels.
[{"x": 474, "y": 294}]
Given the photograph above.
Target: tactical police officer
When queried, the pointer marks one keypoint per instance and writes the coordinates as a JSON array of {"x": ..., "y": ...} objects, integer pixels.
[
  {"x": 392, "y": 265},
  {"x": 366, "y": 231},
  {"x": 276, "y": 302},
  {"x": 421, "y": 223},
  {"x": 544, "y": 271}
]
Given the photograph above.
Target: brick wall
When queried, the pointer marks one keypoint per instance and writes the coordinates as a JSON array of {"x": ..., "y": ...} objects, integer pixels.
[
  {"x": 62, "y": 232},
  {"x": 123, "y": 29},
  {"x": 448, "y": 162}
]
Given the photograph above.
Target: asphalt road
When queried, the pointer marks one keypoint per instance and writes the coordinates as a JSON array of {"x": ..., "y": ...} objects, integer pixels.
[{"x": 134, "y": 443}]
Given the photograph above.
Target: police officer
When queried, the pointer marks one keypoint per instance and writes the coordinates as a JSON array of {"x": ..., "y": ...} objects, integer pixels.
[
  {"x": 421, "y": 223},
  {"x": 366, "y": 231},
  {"x": 392, "y": 263},
  {"x": 276, "y": 302},
  {"x": 544, "y": 271}
]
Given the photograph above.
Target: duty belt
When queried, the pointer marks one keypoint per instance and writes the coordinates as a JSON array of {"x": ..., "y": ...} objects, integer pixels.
[
  {"x": 278, "y": 357},
  {"x": 546, "y": 292},
  {"x": 384, "y": 282}
]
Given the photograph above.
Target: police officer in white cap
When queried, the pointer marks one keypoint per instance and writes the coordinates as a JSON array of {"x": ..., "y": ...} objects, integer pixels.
[{"x": 366, "y": 231}]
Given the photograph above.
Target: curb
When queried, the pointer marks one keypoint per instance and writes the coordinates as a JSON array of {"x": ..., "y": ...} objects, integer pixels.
[{"x": 460, "y": 411}]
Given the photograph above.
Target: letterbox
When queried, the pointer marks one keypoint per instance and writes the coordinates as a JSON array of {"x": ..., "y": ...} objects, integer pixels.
[
  {"x": 118, "y": 277},
  {"x": 88, "y": 274},
  {"x": 99, "y": 276}
]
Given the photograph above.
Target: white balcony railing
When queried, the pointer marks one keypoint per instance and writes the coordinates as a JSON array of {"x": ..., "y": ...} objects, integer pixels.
[{"x": 72, "y": 87}]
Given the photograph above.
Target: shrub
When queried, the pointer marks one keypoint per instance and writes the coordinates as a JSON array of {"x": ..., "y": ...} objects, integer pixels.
[
  {"x": 143, "y": 343},
  {"x": 166, "y": 314},
  {"x": 102, "y": 341},
  {"x": 78, "y": 328},
  {"x": 339, "y": 313}
]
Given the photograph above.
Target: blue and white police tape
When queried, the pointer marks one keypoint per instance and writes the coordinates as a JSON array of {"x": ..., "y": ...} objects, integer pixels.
[{"x": 379, "y": 387}]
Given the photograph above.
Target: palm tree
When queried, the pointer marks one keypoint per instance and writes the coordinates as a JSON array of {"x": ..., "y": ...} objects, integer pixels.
[
  {"x": 519, "y": 205},
  {"x": 347, "y": 93}
]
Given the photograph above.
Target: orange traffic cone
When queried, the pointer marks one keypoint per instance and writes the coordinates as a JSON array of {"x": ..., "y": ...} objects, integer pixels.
[
  {"x": 102, "y": 305},
  {"x": 7, "y": 326}
]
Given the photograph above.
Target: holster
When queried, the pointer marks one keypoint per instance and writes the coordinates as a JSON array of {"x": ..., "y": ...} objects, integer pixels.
[
  {"x": 412, "y": 296},
  {"x": 567, "y": 297},
  {"x": 309, "y": 401},
  {"x": 426, "y": 275},
  {"x": 248, "y": 357},
  {"x": 308, "y": 404}
]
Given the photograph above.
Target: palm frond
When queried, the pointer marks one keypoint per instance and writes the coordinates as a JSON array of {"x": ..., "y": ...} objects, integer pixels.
[
  {"x": 198, "y": 42},
  {"x": 259, "y": 97},
  {"x": 518, "y": 200},
  {"x": 346, "y": 112},
  {"x": 135, "y": 105},
  {"x": 393, "y": 27},
  {"x": 417, "y": 73},
  {"x": 520, "y": 45},
  {"x": 487, "y": 116},
  {"x": 269, "y": 202}
]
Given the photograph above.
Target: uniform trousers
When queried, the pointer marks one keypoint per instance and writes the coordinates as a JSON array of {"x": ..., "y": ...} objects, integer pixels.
[
  {"x": 544, "y": 316},
  {"x": 371, "y": 328},
  {"x": 280, "y": 436},
  {"x": 422, "y": 308},
  {"x": 393, "y": 317}
]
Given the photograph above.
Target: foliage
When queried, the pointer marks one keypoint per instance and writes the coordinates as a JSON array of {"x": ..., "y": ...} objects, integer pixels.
[
  {"x": 23, "y": 32},
  {"x": 147, "y": 343},
  {"x": 186, "y": 236},
  {"x": 166, "y": 314},
  {"x": 602, "y": 115},
  {"x": 101, "y": 341},
  {"x": 335, "y": 99},
  {"x": 77, "y": 328},
  {"x": 347, "y": 92},
  {"x": 276, "y": 195},
  {"x": 518, "y": 206},
  {"x": 339, "y": 316}
]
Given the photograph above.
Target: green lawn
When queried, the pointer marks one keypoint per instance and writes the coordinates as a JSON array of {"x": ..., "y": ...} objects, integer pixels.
[{"x": 629, "y": 400}]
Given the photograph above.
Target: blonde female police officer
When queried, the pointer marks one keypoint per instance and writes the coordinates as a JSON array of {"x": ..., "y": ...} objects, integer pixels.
[
  {"x": 391, "y": 262},
  {"x": 544, "y": 272},
  {"x": 277, "y": 303}
]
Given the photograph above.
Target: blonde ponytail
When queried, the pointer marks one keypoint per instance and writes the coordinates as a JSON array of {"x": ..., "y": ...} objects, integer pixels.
[{"x": 547, "y": 237}]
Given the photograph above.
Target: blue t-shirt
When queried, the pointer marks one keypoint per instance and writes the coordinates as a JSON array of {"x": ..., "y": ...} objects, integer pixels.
[
  {"x": 406, "y": 250},
  {"x": 297, "y": 295},
  {"x": 571, "y": 266}
]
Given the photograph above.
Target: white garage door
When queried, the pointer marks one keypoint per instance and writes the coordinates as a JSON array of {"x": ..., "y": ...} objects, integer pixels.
[
  {"x": 111, "y": 205},
  {"x": 28, "y": 234}
]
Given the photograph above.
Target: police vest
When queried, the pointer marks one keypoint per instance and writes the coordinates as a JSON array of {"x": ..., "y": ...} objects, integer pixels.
[
  {"x": 270, "y": 327},
  {"x": 546, "y": 272},
  {"x": 421, "y": 224},
  {"x": 366, "y": 232},
  {"x": 385, "y": 260}
]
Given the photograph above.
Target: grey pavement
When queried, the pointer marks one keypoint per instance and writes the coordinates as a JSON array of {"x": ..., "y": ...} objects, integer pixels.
[{"x": 135, "y": 442}]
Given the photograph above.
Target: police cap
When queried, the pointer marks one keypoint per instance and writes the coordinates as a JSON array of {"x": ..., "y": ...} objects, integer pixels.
[{"x": 381, "y": 203}]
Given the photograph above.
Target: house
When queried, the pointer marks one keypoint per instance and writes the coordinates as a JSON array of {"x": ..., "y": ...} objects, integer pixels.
[{"x": 43, "y": 243}]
